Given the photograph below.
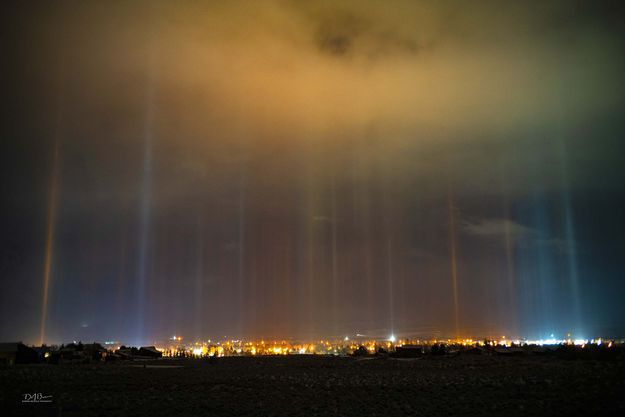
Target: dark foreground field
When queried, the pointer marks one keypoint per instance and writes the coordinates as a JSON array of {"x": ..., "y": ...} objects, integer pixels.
[{"x": 298, "y": 385}]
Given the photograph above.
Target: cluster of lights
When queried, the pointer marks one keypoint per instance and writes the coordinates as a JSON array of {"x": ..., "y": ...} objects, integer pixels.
[
  {"x": 576, "y": 342},
  {"x": 238, "y": 347},
  {"x": 346, "y": 345},
  {"x": 323, "y": 347}
]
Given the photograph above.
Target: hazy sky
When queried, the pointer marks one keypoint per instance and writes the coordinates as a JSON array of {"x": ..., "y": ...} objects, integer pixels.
[{"x": 311, "y": 168}]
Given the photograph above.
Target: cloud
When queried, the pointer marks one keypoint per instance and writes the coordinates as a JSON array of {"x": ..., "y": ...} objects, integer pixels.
[
  {"x": 500, "y": 228},
  {"x": 496, "y": 228},
  {"x": 352, "y": 34},
  {"x": 326, "y": 69},
  {"x": 442, "y": 90}
]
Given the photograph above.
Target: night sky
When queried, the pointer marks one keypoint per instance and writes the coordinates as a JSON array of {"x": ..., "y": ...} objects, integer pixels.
[{"x": 311, "y": 169}]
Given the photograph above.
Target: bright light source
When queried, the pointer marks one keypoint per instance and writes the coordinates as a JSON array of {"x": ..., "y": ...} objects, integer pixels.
[
  {"x": 197, "y": 351},
  {"x": 346, "y": 338},
  {"x": 392, "y": 338}
]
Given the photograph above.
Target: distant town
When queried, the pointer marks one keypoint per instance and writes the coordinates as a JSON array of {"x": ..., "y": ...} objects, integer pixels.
[{"x": 177, "y": 347}]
